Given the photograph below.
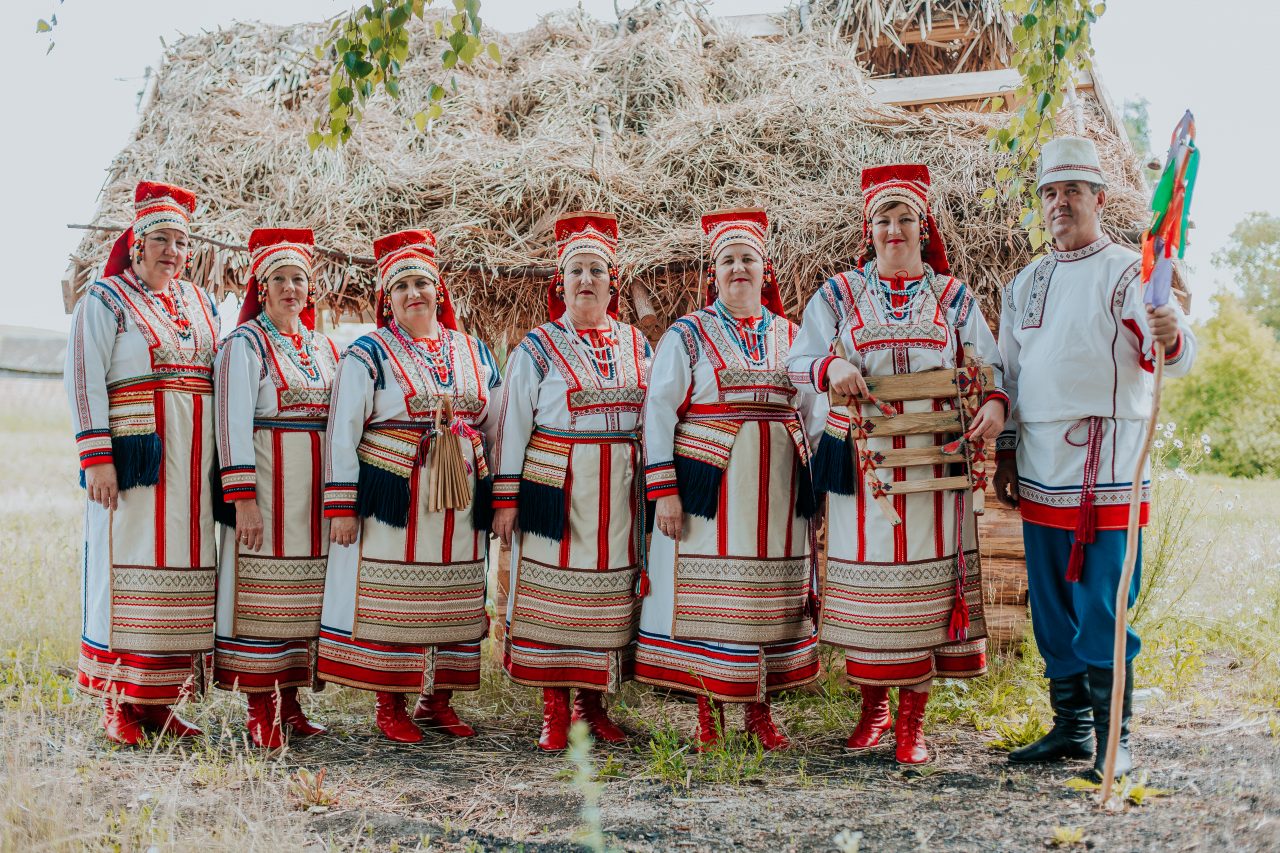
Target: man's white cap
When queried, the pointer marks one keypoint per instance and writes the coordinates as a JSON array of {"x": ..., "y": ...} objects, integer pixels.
[{"x": 1069, "y": 158}]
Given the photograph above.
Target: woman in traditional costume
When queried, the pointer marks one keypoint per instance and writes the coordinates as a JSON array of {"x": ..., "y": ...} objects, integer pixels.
[
  {"x": 407, "y": 491},
  {"x": 727, "y": 616},
  {"x": 568, "y": 496},
  {"x": 272, "y": 381},
  {"x": 139, "y": 376},
  {"x": 905, "y": 600}
]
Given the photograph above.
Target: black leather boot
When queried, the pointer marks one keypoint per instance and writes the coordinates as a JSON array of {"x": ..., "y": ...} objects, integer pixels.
[
  {"x": 1072, "y": 732},
  {"x": 1100, "y": 691}
]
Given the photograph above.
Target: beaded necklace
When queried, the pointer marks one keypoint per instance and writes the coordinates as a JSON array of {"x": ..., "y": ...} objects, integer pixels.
[
  {"x": 747, "y": 333},
  {"x": 898, "y": 293},
  {"x": 170, "y": 302},
  {"x": 599, "y": 344},
  {"x": 297, "y": 347},
  {"x": 431, "y": 356}
]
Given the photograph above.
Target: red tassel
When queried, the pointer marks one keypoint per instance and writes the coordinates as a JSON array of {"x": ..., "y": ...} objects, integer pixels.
[
  {"x": 959, "y": 631},
  {"x": 1086, "y": 527},
  {"x": 644, "y": 583},
  {"x": 1075, "y": 565}
]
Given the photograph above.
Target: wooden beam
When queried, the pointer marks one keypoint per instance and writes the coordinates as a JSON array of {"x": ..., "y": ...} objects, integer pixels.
[
  {"x": 941, "y": 484},
  {"x": 922, "y": 385},
  {"x": 950, "y": 31},
  {"x": 915, "y": 423},
  {"x": 945, "y": 88},
  {"x": 907, "y": 456}
]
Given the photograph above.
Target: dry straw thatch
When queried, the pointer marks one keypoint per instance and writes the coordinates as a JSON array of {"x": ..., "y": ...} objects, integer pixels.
[{"x": 658, "y": 123}]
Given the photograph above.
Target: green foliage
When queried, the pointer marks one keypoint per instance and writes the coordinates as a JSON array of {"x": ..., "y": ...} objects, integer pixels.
[
  {"x": 1137, "y": 123},
  {"x": 369, "y": 47},
  {"x": 1232, "y": 394},
  {"x": 1051, "y": 48},
  {"x": 1253, "y": 256}
]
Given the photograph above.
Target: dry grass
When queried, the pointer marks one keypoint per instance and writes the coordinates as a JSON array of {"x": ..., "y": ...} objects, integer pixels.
[{"x": 658, "y": 124}]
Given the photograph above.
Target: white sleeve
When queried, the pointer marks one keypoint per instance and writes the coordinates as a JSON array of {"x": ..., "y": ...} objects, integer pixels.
[
  {"x": 812, "y": 352},
  {"x": 350, "y": 406},
  {"x": 1133, "y": 316},
  {"x": 93, "y": 336},
  {"x": 1009, "y": 353},
  {"x": 516, "y": 420},
  {"x": 237, "y": 374},
  {"x": 670, "y": 379}
]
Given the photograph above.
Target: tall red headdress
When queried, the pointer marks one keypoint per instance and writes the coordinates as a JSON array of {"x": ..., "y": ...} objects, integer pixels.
[
  {"x": 903, "y": 183},
  {"x": 155, "y": 206},
  {"x": 745, "y": 227},
  {"x": 411, "y": 252},
  {"x": 576, "y": 233},
  {"x": 269, "y": 250}
]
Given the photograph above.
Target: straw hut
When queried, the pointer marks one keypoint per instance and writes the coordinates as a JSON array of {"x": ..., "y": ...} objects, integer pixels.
[{"x": 657, "y": 118}]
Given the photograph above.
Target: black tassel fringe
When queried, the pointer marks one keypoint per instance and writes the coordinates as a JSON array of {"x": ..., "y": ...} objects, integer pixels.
[
  {"x": 482, "y": 504},
  {"x": 542, "y": 510},
  {"x": 223, "y": 512},
  {"x": 806, "y": 501},
  {"x": 137, "y": 459},
  {"x": 382, "y": 495},
  {"x": 699, "y": 486},
  {"x": 833, "y": 467}
]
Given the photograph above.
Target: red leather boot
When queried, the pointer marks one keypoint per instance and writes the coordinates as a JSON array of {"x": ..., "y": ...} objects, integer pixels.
[
  {"x": 910, "y": 729},
  {"x": 874, "y": 720},
  {"x": 121, "y": 722},
  {"x": 589, "y": 705},
  {"x": 393, "y": 720},
  {"x": 292, "y": 715},
  {"x": 758, "y": 721},
  {"x": 555, "y": 719},
  {"x": 710, "y": 726},
  {"x": 434, "y": 709},
  {"x": 264, "y": 722},
  {"x": 164, "y": 720}
]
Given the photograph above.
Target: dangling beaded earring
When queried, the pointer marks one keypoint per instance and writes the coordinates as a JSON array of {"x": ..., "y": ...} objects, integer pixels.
[
  {"x": 186, "y": 268},
  {"x": 557, "y": 281},
  {"x": 613, "y": 281},
  {"x": 712, "y": 292},
  {"x": 137, "y": 252}
]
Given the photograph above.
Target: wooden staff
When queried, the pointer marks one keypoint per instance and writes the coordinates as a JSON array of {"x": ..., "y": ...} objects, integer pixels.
[
  {"x": 865, "y": 471},
  {"x": 1122, "y": 590}
]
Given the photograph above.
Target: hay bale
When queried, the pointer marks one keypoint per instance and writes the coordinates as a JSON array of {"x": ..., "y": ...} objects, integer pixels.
[{"x": 658, "y": 123}]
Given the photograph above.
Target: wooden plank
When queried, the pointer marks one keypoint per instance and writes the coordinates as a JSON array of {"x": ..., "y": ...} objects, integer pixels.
[
  {"x": 940, "y": 484},
  {"x": 922, "y": 385},
  {"x": 918, "y": 456},
  {"x": 943, "y": 88},
  {"x": 957, "y": 30},
  {"x": 915, "y": 423}
]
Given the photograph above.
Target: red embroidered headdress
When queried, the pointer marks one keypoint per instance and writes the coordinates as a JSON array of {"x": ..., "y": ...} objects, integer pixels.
[
  {"x": 903, "y": 183},
  {"x": 269, "y": 250},
  {"x": 411, "y": 252},
  {"x": 576, "y": 233},
  {"x": 747, "y": 227},
  {"x": 155, "y": 206}
]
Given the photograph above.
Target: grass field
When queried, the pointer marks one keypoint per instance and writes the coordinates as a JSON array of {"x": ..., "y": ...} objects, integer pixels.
[{"x": 1209, "y": 727}]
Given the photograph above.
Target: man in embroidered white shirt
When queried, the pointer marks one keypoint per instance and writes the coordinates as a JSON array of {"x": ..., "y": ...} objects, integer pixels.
[{"x": 1077, "y": 343}]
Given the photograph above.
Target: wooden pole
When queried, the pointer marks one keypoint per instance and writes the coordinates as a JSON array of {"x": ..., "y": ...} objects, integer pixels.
[{"x": 1122, "y": 590}]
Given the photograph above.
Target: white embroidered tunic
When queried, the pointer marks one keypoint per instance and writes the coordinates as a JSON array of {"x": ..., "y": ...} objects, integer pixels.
[
  {"x": 568, "y": 457},
  {"x": 1078, "y": 357},
  {"x": 273, "y": 404},
  {"x": 890, "y": 589},
  {"x": 138, "y": 376},
  {"x": 404, "y": 606}
]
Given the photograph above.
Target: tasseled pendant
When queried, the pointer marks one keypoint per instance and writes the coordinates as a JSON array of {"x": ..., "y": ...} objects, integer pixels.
[
  {"x": 450, "y": 486},
  {"x": 1085, "y": 534}
]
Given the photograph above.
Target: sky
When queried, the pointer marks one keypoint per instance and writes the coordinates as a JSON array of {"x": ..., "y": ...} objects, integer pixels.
[{"x": 72, "y": 110}]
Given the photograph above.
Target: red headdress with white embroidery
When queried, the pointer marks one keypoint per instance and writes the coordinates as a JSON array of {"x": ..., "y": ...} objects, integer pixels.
[
  {"x": 584, "y": 231},
  {"x": 405, "y": 253},
  {"x": 155, "y": 206},
  {"x": 741, "y": 227},
  {"x": 269, "y": 250},
  {"x": 903, "y": 183}
]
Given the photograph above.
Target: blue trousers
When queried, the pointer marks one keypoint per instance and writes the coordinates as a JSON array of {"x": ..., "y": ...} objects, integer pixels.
[{"x": 1075, "y": 623}]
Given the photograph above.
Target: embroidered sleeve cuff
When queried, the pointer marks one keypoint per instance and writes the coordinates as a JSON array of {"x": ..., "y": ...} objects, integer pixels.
[
  {"x": 660, "y": 481},
  {"x": 820, "y": 368},
  {"x": 239, "y": 482},
  {"x": 1006, "y": 444},
  {"x": 339, "y": 500},
  {"x": 998, "y": 395},
  {"x": 506, "y": 491},
  {"x": 94, "y": 446},
  {"x": 1174, "y": 352}
]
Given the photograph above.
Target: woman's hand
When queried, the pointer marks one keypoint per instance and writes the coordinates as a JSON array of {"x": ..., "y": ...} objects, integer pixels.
[
  {"x": 101, "y": 485},
  {"x": 844, "y": 378},
  {"x": 504, "y": 523},
  {"x": 669, "y": 513},
  {"x": 342, "y": 530},
  {"x": 248, "y": 524},
  {"x": 988, "y": 423}
]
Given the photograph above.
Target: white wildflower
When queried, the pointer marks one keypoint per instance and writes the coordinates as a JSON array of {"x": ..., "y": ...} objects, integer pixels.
[
  {"x": 1159, "y": 444},
  {"x": 1177, "y": 442},
  {"x": 1249, "y": 591},
  {"x": 1171, "y": 425},
  {"x": 1168, "y": 433},
  {"x": 1164, "y": 475},
  {"x": 1204, "y": 438},
  {"x": 1229, "y": 505},
  {"x": 1159, "y": 426}
]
